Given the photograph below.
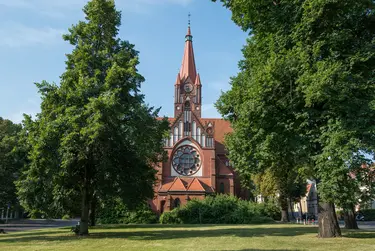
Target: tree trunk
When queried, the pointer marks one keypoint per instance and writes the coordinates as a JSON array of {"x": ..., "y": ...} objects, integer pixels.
[
  {"x": 93, "y": 211},
  {"x": 328, "y": 224},
  {"x": 85, "y": 207},
  {"x": 349, "y": 218},
  {"x": 284, "y": 208}
]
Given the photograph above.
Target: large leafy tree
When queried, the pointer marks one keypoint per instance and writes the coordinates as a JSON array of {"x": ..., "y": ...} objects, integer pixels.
[
  {"x": 95, "y": 137},
  {"x": 12, "y": 158},
  {"x": 307, "y": 85}
]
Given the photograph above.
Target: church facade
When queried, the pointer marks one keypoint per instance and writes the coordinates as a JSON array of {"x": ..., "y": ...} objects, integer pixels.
[{"x": 197, "y": 163}]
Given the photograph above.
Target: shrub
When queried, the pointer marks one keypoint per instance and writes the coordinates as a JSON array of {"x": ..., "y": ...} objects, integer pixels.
[
  {"x": 270, "y": 209},
  {"x": 140, "y": 216},
  {"x": 66, "y": 217},
  {"x": 115, "y": 212},
  {"x": 219, "y": 209},
  {"x": 171, "y": 217}
]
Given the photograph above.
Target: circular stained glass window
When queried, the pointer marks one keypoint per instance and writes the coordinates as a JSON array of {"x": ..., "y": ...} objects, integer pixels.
[{"x": 186, "y": 160}]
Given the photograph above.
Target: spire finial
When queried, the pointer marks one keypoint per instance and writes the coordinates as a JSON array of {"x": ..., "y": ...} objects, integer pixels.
[{"x": 189, "y": 16}]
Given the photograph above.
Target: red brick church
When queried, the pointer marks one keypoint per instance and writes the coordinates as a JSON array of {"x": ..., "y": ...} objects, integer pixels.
[{"x": 197, "y": 164}]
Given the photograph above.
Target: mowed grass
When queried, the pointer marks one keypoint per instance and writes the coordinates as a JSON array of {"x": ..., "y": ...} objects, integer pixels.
[{"x": 188, "y": 237}]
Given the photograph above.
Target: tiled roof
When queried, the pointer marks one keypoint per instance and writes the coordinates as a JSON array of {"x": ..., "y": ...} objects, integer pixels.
[
  {"x": 222, "y": 127},
  {"x": 186, "y": 184}
]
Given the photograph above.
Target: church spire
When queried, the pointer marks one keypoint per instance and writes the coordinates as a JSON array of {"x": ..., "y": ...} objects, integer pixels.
[{"x": 188, "y": 68}]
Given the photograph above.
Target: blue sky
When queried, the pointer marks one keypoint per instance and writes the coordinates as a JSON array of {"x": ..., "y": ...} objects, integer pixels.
[{"x": 31, "y": 48}]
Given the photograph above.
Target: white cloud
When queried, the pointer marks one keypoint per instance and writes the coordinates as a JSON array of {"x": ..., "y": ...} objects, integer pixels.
[{"x": 17, "y": 35}]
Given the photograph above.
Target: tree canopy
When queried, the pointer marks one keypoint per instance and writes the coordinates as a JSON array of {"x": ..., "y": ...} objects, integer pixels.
[
  {"x": 305, "y": 94},
  {"x": 94, "y": 137},
  {"x": 12, "y": 159}
]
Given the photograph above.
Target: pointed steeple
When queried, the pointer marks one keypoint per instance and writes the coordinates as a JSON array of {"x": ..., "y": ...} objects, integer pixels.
[
  {"x": 178, "y": 80},
  {"x": 198, "y": 80},
  {"x": 188, "y": 68}
]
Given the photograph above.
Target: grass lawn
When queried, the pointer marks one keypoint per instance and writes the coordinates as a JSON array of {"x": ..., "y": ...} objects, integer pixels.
[{"x": 188, "y": 237}]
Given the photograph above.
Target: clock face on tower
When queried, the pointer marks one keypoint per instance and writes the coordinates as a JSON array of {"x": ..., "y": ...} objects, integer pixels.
[
  {"x": 188, "y": 87},
  {"x": 186, "y": 160}
]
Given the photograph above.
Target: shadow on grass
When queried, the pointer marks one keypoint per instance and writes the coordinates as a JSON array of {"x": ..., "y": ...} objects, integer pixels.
[
  {"x": 158, "y": 233},
  {"x": 359, "y": 234}
]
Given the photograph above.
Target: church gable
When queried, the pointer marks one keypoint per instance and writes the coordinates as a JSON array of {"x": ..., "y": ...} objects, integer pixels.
[
  {"x": 178, "y": 185},
  {"x": 196, "y": 185}
]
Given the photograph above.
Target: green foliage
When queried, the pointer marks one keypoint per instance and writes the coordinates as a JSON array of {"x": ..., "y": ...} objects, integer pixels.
[
  {"x": 140, "y": 216},
  {"x": 369, "y": 214},
  {"x": 340, "y": 214},
  {"x": 116, "y": 212},
  {"x": 304, "y": 98},
  {"x": 95, "y": 136},
  {"x": 66, "y": 217},
  {"x": 219, "y": 209},
  {"x": 171, "y": 217},
  {"x": 12, "y": 158},
  {"x": 111, "y": 212}
]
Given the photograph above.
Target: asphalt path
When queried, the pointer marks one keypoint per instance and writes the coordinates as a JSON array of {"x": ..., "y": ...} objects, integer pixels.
[{"x": 28, "y": 224}]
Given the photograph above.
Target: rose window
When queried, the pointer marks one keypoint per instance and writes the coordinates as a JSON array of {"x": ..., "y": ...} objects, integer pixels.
[{"x": 186, "y": 160}]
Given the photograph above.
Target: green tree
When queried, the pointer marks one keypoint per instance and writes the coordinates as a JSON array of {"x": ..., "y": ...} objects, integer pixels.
[
  {"x": 286, "y": 187},
  {"x": 11, "y": 161},
  {"x": 307, "y": 85},
  {"x": 95, "y": 137}
]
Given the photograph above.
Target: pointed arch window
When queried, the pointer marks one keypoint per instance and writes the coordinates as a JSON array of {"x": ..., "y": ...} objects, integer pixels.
[
  {"x": 194, "y": 130},
  {"x": 180, "y": 129},
  {"x": 171, "y": 140},
  {"x": 176, "y": 203},
  {"x": 221, "y": 188},
  {"x": 175, "y": 135},
  {"x": 199, "y": 135},
  {"x": 203, "y": 140},
  {"x": 187, "y": 118},
  {"x": 210, "y": 142}
]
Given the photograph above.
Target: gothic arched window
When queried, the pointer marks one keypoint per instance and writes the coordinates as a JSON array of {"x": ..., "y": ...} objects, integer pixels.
[
  {"x": 187, "y": 106},
  {"x": 221, "y": 188},
  {"x": 176, "y": 203}
]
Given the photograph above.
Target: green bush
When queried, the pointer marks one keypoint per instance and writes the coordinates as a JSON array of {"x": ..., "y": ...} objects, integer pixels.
[
  {"x": 170, "y": 217},
  {"x": 270, "y": 209},
  {"x": 369, "y": 214},
  {"x": 141, "y": 216},
  {"x": 115, "y": 212},
  {"x": 66, "y": 217},
  {"x": 219, "y": 209}
]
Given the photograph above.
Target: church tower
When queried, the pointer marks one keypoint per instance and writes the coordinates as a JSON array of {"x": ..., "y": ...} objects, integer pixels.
[
  {"x": 197, "y": 163},
  {"x": 188, "y": 88}
]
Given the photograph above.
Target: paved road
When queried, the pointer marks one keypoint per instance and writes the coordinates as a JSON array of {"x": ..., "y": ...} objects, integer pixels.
[{"x": 25, "y": 225}]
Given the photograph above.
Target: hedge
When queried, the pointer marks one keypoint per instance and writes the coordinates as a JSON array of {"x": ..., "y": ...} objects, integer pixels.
[{"x": 221, "y": 209}]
